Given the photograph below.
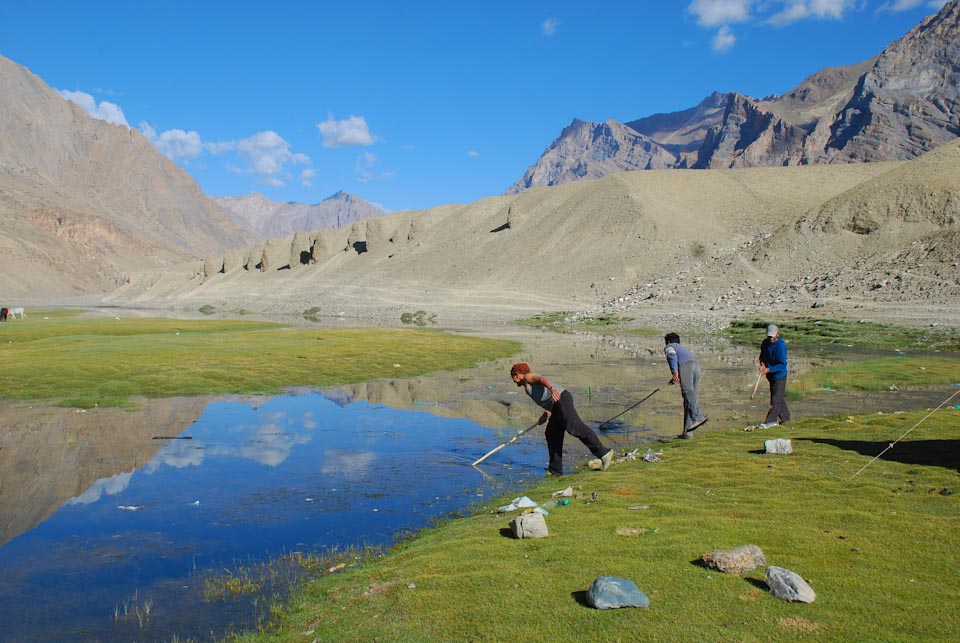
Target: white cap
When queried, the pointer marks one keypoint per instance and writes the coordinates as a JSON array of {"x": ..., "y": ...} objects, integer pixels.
[{"x": 772, "y": 330}]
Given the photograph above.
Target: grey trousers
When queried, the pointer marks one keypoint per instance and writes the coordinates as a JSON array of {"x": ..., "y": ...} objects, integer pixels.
[
  {"x": 778, "y": 404},
  {"x": 689, "y": 379}
]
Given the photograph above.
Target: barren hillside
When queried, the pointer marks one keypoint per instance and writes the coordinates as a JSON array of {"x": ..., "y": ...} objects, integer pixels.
[
  {"x": 83, "y": 201},
  {"x": 723, "y": 240}
]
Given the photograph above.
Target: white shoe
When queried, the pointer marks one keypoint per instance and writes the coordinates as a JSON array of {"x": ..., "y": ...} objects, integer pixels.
[
  {"x": 606, "y": 459},
  {"x": 769, "y": 425}
]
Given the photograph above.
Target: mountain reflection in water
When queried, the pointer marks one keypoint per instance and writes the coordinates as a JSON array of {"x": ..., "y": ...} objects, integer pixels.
[{"x": 295, "y": 473}]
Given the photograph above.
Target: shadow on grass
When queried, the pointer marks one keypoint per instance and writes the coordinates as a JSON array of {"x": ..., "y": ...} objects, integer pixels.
[
  {"x": 581, "y": 598},
  {"x": 758, "y": 583},
  {"x": 936, "y": 453}
]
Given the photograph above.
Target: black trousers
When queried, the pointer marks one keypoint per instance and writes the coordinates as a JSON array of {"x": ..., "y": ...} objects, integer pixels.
[
  {"x": 778, "y": 404},
  {"x": 564, "y": 419}
]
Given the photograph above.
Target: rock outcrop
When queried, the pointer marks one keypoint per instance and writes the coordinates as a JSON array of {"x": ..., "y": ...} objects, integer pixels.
[{"x": 750, "y": 137}]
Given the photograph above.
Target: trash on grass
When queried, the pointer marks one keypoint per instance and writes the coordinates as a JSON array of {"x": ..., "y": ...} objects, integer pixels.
[
  {"x": 523, "y": 502},
  {"x": 650, "y": 456}
]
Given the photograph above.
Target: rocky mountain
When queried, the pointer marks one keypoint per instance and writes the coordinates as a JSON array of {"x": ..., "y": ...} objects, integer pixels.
[
  {"x": 683, "y": 132},
  {"x": 277, "y": 219},
  {"x": 591, "y": 150},
  {"x": 83, "y": 201},
  {"x": 899, "y": 104}
]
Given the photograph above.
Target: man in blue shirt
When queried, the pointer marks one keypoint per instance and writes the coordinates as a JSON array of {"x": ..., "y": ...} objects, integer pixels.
[
  {"x": 773, "y": 364},
  {"x": 685, "y": 371}
]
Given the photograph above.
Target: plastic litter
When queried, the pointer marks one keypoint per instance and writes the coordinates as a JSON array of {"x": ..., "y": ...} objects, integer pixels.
[
  {"x": 523, "y": 502},
  {"x": 778, "y": 446},
  {"x": 650, "y": 456}
]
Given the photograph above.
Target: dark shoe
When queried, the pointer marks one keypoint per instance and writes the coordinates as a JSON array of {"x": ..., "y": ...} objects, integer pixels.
[
  {"x": 697, "y": 425},
  {"x": 553, "y": 474},
  {"x": 686, "y": 435}
]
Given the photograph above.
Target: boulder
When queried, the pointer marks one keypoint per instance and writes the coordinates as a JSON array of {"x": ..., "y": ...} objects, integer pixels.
[
  {"x": 789, "y": 586},
  {"x": 531, "y": 525},
  {"x": 736, "y": 560},
  {"x": 611, "y": 592}
]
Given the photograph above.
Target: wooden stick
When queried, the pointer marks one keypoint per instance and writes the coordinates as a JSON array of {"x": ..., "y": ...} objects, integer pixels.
[
  {"x": 759, "y": 375},
  {"x": 510, "y": 441},
  {"x": 636, "y": 404}
]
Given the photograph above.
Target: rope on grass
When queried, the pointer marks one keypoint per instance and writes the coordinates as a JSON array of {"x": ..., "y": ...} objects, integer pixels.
[{"x": 890, "y": 446}]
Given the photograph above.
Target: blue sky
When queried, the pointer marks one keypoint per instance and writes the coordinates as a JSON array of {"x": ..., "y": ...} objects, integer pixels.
[{"x": 417, "y": 104}]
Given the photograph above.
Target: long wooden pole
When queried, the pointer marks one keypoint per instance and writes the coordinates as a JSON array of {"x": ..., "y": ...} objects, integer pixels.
[
  {"x": 510, "y": 441},
  {"x": 759, "y": 375},
  {"x": 632, "y": 406}
]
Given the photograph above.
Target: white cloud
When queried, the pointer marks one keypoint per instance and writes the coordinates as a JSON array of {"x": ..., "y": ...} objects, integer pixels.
[
  {"x": 365, "y": 165},
  {"x": 174, "y": 143},
  {"x": 305, "y": 181},
  {"x": 711, "y": 13},
  {"x": 897, "y": 6},
  {"x": 109, "y": 486},
  {"x": 266, "y": 154},
  {"x": 796, "y": 10},
  {"x": 103, "y": 111},
  {"x": 473, "y": 153},
  {"x": 549, "y": 26},
  {"x": 348, "y": 132},
  {"x": 724, "y": 40}
]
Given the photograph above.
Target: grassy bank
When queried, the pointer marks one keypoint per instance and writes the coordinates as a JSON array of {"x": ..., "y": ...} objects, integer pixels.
[
  {"x": 74, "y": 360},
  {"x": 807, "y": 331},
  {"x": 887, "y": 537},
  {"x": 879, "y": 374}
]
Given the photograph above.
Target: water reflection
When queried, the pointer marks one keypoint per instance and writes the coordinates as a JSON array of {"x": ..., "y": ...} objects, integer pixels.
[
  {"x": 297, "y": 472},
  {"x": 97, "y": 517}
]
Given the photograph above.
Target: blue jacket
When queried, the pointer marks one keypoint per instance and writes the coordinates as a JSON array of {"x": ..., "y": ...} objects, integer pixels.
[
  {"x": 676, "y": 355},
  {"x": 774, "y": 356}
]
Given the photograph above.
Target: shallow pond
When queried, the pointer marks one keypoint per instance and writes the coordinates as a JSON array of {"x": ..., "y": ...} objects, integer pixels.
[{"x": 112, "y": 520}]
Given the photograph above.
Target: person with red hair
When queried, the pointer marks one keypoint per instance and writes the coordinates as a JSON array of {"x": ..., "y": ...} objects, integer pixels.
[{"x": 561, "y": 417}]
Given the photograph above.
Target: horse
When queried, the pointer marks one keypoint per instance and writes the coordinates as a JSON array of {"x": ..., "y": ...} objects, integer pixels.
[
  {"x": 3, "y": 314},
  {"x": 17, "y": 311}
]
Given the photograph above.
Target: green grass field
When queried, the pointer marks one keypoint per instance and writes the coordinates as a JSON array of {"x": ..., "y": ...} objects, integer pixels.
[
  {"x": 73, "y": 360},
  {"x": 880, "y": 549},
  {"x": 808, "y": 331}
]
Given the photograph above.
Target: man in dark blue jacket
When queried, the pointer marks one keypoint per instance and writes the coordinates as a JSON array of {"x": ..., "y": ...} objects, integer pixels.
[{"x": 773, "y": 364}]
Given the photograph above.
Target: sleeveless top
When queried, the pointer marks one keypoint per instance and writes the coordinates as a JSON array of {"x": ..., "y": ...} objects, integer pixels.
[{"x": 541, "y": 394}]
